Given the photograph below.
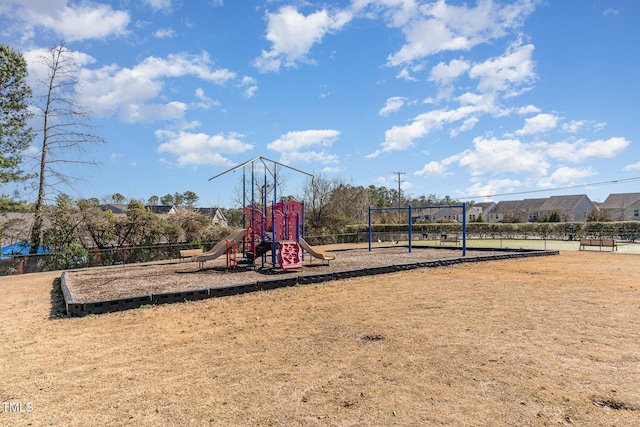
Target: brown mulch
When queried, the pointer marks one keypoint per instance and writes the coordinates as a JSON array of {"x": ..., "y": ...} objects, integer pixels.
[{"x": 98, "y": 284}]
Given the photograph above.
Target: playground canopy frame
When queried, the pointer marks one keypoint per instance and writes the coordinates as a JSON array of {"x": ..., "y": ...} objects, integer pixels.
[{"x": 410, "y": 226}]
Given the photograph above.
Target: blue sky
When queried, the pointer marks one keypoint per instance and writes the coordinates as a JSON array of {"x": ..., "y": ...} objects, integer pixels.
[{"x": 488, "y": 100}]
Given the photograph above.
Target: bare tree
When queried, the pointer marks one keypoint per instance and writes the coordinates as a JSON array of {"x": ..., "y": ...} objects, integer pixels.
[
  {"x": 64, "y": 128},
  {"x": 319, "y": 213}
]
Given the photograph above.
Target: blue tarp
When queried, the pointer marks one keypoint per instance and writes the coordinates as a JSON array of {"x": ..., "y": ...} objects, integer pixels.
[{"x": 21, "y": 248}]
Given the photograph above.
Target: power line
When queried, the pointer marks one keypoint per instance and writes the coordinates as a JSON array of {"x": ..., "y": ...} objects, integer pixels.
[{"x": 616, "y": 181}]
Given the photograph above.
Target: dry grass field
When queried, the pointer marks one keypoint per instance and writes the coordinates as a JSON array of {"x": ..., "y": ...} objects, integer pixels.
[{"x": 527, "y": 342}]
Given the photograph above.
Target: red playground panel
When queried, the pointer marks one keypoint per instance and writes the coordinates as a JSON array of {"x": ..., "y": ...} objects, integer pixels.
[
  {"x": 286, "y": 216},
  {"x": 290, "y": 255}
]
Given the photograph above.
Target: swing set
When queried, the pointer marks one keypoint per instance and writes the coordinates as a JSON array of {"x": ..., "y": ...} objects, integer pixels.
[{"x": 410, "y": 209}]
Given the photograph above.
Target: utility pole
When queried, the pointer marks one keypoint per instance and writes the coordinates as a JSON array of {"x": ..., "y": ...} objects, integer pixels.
[{"x": 400, "y": 181}]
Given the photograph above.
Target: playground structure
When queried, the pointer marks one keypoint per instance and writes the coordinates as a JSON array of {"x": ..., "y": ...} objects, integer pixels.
[
  {"x": 276, "y": 228},
  {"x": 227, "y": 246},
  {"x": 409, "y": 210}
]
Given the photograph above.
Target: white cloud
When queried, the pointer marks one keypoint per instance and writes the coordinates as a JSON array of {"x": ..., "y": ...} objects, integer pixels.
[
  {"x": 405, "y": 75},
  {"x": 538, "y": 124},
  {"x": 405, "y": 72},
  {"x": 492, "y": 187},
  {"x": 573, "y": 126},
  {"x": 565, "y": 175},
  {"x": 196, "y": 149},
  {"x": 164, "y": 33},
  {"x": 485, "y": 101},
  {"x": 581, "y": 150},
  {"x": 610, "y": 12},
  {"x": 296, "y": 140},
  {"x": 37, "y": 59},
  {"x": 315, "y": 157},
  {"x": 159, "y": 4},
  {"x": 69, "y": 21},
  {"x": 250, "y": 86},
  {"x": 528, "y": 109},
  {"x": 148, "y": 113},
  {"x": 396, "y": 12},
  {"x": 506, "y": 73},
  {"x": 127, "y": 91},
  {"x": 205, "y": 101},
  {"x": 292, "y": 35},
  {"x": 330, "y": 170},
  {"x": 496, "y": 156},
  {"x": 447, "y": 73},
  {"x": 400, "y": 138},
  {"x": 392, "y": 105},
  {"x": 437, "y": 26},
  {"x": 432, "y": 169},
  {"x": 466, "y": 126},
  {"x": 297, "y": 146},
  {"x": 632, "y": 167}
]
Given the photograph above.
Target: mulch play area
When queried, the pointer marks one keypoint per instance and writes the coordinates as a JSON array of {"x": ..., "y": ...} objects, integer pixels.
[{"x": 101, "y": 290}]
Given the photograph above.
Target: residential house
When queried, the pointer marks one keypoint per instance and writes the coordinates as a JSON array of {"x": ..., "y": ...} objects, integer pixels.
[
  {"x": 570, "y": 208},
  {"x": 215, "y": 214},
  {"x": 162, "y": 209},
  {"x": 505, "y": 208},
  {"x": 529, "y": 209},
  {"x": 623, "y": 207},
  {"x": 445, "y": 213},
  {"x": 423, "y": 215},
  {"x": 119, "y": 209},
  {"x": 115, "y": 208},
  {"x": 485, "y": 209}
]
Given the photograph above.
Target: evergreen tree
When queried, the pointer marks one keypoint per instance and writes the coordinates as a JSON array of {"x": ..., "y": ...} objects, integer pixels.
[{"x": 15, "y": 134}]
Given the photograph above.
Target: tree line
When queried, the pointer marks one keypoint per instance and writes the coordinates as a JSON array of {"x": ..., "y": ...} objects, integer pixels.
[{"x": 74, "y": 229}]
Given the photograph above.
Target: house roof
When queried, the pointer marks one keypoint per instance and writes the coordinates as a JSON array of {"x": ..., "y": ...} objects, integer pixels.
[
  {"x": 507, "y": 206},
  {"x": 531, "y": 205},
  {"x": 618, "y": 201},
  {"x": 211, "y": 212},
  {"x": 562, "y": 203},
  {"x": 116, "y": 208},
  {"x": 121, "y": 209},
  {"x": 484, "y": 205},
  {"x": 159, "y": 209}
]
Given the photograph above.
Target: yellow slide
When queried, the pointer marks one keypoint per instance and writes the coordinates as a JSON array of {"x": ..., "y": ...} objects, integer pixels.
[
  {"x": 221, "y": 247},
  {"x": 316, "y": 253}
]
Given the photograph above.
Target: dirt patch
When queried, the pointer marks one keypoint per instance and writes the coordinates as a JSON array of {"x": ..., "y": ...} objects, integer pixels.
[{"x": 528, "y": 342}]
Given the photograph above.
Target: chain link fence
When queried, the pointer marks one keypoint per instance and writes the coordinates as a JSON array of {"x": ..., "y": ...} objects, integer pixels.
[{"x": 94, "y": 257}]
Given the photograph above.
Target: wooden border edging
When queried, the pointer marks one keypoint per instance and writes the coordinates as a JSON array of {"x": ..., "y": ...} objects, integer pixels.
[{"x": 77, "y": 309}]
